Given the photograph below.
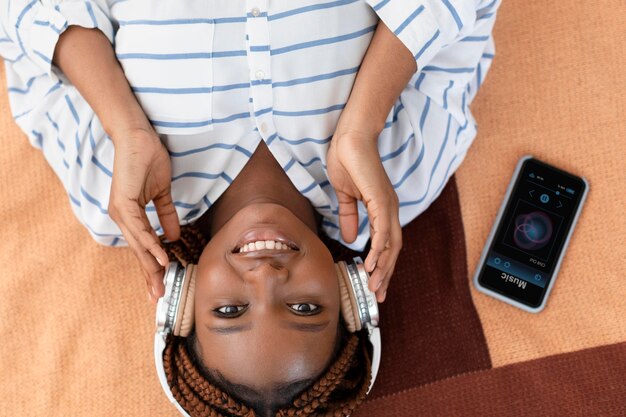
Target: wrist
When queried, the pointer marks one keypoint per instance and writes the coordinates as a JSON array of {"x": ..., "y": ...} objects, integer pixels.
[
  {"x": 125, "y": 125},
  {"x": 359, "y": 120},
  {"x": 133, "y": 132},
  {"x": 354, "y": 141}
]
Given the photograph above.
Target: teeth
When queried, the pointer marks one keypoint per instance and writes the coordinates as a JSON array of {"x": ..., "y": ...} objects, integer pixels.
[{"x": 263, "y": 244}]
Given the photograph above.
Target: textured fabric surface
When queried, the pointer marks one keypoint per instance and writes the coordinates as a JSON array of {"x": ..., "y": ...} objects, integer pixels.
[
  {"x": 557, "y": 92},
  {"x": 584, "y": 383},
  {"x": 77, "y": 333}
]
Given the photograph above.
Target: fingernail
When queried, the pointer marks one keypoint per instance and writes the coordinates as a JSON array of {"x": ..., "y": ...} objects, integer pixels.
[
  {"x": 153, "y": 292},
  {"x": 372, "y": 266},
  {"x": 380, "y": 283},
  {"x": 384, "y": 296},
  {"x": 160, "y": 261},
  {"x": 149, "y": 298}
]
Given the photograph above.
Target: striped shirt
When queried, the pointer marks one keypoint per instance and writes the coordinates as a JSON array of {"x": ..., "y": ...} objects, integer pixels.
[{"x": 215, "y": 77}]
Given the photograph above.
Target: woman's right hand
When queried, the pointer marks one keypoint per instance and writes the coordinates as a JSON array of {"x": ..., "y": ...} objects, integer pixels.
[{"x": 142, "y": 173}]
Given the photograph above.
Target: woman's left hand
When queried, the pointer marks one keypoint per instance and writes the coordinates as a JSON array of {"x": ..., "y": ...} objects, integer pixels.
[{"x": 357, "y": 173}]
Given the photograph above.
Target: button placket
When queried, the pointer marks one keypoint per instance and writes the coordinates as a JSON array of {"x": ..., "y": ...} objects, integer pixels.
[
  {"x": 259, "y": 62},
  {"x": 259, "y": 66}
]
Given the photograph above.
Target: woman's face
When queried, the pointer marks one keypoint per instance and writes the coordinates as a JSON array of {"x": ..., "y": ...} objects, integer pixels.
[{"x": 267, "y": 316}]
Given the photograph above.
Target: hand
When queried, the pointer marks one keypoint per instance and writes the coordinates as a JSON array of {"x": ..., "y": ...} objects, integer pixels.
[
  {"x": 141, "y": 173},
  {"x": 357, "y": 173}
]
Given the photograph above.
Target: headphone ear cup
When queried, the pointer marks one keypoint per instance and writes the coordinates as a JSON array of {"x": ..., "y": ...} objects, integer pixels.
[
  {"x": 185, "y": 316},
  {"x": 349, "y": 307}
]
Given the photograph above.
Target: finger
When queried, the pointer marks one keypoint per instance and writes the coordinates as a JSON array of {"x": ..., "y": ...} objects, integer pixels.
[
  {"x": 136, "y": 221},
  {"x": 380, "y": 223},
  {"x": 152, "y": 271},
  {"x": 163, "y": 245},
  {"x": 375, "y": 281},
  {"x": 156, "y": 237},
  {"x": 387, "y": 261},
  {"x": 348, "y": 216},
  {"x": 386, "y": 229},
  {"x": 381, "y": 294},
  {"x": 149, "y": 290},
  {"x": 380, "y": 279},
  {"x": 394, "y": 251},
  {"x": 168, "y": 217},
  {"x": 147, "y": 245},
  {"x": 380, "y": 273},
  {"x": 133, "y": 218}
]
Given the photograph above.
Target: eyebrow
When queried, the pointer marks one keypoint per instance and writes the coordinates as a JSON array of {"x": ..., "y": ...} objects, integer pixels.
[
  {"x": 230, "y": 329},
  {"x": 305, "y": 327},
  {"x": 294, "y": 325}
]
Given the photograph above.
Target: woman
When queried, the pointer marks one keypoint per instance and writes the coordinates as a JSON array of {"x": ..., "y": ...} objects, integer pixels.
[{"x": 252, "y": 124}]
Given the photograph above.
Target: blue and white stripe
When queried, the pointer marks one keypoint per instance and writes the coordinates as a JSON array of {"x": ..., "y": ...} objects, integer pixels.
[{"x": 217, "y": 77}]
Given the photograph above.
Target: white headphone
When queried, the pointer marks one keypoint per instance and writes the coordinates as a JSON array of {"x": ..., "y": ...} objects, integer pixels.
[{"x": 175, "y": 311}]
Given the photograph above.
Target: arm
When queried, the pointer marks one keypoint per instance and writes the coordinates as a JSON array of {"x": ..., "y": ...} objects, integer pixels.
[
  {"x": 142, "y": 168},
  {"x": 87, "y": 59},
  {"x": 385, "y": 71},
  {"x": 354, "y": 166}
]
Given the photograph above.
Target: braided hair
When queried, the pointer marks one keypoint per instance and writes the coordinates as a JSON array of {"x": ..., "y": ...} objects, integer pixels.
[
  {"x": 337, "y": 392},
  {"x": 188, "y": 248}
]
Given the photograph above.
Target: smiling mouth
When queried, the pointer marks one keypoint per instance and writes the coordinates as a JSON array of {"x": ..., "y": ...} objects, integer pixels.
[{"x": 266, "y": 245}]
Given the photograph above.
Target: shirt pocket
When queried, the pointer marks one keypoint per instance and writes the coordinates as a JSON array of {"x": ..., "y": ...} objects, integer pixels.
[{"x": 165, "y": 49}]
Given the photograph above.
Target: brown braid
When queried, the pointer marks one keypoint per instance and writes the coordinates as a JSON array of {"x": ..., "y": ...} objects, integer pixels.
[
  {"x": 341, "y": 389},
  {"x": 188, "y": 248},
  {"x": 338, "y": 392}
]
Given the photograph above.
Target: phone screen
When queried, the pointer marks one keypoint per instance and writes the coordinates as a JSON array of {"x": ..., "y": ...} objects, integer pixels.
[{"x": 532, "y": 233}]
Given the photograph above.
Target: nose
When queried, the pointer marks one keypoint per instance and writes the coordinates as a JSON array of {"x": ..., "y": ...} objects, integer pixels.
[{"x": 265, "y": 272}]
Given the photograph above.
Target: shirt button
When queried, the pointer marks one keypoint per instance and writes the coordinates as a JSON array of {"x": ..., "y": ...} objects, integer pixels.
[
  {"x": 259, "y": 75},
  {"x": 255, "y": 12},
  {"x": 263, "y": 127}
]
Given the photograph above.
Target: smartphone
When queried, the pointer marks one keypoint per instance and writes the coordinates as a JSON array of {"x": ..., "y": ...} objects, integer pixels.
[{"x": 527, "y": 243}]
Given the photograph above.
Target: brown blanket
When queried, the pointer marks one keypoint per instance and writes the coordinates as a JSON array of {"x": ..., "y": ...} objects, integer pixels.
[{"x": 76, "y": 328}]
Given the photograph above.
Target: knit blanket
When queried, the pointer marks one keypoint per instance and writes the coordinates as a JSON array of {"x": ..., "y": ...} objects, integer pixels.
[{"x": 77, "y": 331}]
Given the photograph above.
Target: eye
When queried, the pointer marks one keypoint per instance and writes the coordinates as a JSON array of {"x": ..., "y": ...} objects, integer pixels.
[
  {"x": 305, "y": 309},
  {"x": 230, "y": 311}
]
